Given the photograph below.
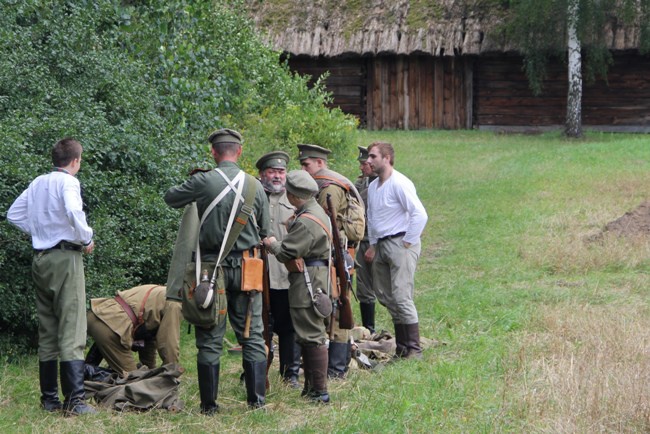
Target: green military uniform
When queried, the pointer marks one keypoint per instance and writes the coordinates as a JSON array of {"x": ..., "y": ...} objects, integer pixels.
[
  {"x": 307, "y": 239},
  {"x": 365, "y": 293},
  {"x": 203, "y": 188},
  {"x": 113, "y": 330},
  {"x": 340, "y": 346}
]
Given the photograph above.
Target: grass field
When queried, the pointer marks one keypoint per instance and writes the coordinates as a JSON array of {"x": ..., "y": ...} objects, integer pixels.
[{"x": 541, "y": 330}]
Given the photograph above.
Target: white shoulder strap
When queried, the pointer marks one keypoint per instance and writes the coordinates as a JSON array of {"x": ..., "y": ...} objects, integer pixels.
[{"x": 237, "y": 185}]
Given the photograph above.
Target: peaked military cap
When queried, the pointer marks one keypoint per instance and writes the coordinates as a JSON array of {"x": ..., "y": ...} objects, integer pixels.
[
  {"x": 225, "y": 135},
  {"x": 312, "y": 151},
  {"x": 275, "y": 159},
  {"x": 301, "y": 184},
  {"x": 363, "y": 153}
]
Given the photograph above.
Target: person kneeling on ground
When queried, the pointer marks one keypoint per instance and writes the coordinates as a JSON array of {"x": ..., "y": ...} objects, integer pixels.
[{"x": 139, "y": 319}]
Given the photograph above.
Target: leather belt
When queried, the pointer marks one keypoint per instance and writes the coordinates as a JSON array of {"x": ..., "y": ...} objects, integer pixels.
[
  {"x": 211, "y": 255},
  {"x": 62, "y": 245},
  {"x": 315, "y": 262},
  {"x": 387, "y": 237}
]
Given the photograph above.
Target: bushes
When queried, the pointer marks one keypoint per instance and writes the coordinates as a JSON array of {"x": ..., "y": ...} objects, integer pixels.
[{"x": 140, "y": 86}]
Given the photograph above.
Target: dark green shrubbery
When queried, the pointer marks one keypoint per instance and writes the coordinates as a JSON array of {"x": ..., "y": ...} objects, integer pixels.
[{"x": 141, "y": 86}]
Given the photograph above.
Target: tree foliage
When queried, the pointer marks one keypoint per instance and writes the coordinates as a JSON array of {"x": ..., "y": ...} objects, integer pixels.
[
  {"x": 141, "y": 84},
  {"x": 539, "y": 29}
]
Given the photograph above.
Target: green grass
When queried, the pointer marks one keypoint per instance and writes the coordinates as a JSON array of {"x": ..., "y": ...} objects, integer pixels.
[{"x": 506, "y": 282}]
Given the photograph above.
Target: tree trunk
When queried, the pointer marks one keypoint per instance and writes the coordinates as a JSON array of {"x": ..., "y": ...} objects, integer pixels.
[{"x": 573, "y": 126}]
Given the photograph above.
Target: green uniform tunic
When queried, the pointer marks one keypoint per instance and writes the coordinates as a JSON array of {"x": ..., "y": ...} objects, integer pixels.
[
  {"x": 365, "y": 292},
  {"x": 112, "y": 329},
  {"x": 202, "y": 188},
  {"x": 308, "y": 240},
  {"x": 339, "y": 203}
]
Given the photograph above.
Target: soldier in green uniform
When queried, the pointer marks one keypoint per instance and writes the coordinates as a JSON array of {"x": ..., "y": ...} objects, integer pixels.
[
  {"x": 272, "y": 169},
  {"x": 313, "y": 159},
  {"x": 137, "y": 319},
  {"x": 51, "y": 211},
  {"x": 305, "y": 251},
  {"x": 365, "y": 293},
  {"x": 203, "y": 188}
]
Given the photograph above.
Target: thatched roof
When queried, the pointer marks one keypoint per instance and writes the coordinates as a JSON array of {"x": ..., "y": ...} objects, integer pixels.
[{"x": 370, "y": 27}]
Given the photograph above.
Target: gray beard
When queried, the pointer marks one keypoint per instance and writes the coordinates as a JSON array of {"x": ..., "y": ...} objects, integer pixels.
[{"x": 272, "y": 188}]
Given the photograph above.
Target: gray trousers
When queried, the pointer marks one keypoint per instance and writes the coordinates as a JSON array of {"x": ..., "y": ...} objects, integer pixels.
[
  {"x": 60, "y": 304},
  {"x": 365, "y": 293},
  {"x": 393, "y": 274}
]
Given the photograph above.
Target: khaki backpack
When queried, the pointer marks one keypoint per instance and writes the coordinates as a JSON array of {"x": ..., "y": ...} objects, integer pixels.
[{"x": 353, "y": 219}]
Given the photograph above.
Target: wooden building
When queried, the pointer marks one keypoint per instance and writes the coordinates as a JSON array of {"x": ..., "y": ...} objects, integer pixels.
[{"x": 400, "y": 65}]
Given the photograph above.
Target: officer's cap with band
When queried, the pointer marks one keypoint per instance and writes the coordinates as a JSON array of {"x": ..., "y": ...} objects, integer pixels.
[
  {"x": 275, "y": 160},
  {"x": 312, "y": 151},
  {"x": 225, "y": 135},
  {"x": 301, "y": 184},
  {"x": 363, "y": 154}
]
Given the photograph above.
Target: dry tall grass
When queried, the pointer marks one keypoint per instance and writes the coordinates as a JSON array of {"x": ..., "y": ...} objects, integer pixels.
[{"x": 587, "y": 370}]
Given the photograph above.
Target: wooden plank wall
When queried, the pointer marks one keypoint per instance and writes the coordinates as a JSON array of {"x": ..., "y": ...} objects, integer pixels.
[
  {"x": 346, "y": 81},
  {"x": 502, "y": 96},
  {"x": 418, "y": 92}
]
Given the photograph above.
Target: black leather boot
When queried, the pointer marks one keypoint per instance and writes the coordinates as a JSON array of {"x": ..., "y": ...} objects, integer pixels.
[
  {"x": 255, "y": 383},
  {"x": 289, "y": 359},
  {"x": 72, "y": 385},
  {"x": 306, "y": 370},
  {"x": 316, "y": 358},
  {"x": 368, "y": 316},
  {"x": 48, "y": 374},
  {"x": 208, "y": 387},
  {"x": 339, "y": 355},
  {"x": 400, "y": 341},
  {"x": 413, "y": 348},
  {"x": 94, "y": 356}
]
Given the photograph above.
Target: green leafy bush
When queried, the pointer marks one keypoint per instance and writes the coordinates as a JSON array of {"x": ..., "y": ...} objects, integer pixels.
[{"x": 141, "y": 86}]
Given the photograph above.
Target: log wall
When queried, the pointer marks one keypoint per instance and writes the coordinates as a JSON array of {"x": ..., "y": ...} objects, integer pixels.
[{"x": 502, "y": 97}]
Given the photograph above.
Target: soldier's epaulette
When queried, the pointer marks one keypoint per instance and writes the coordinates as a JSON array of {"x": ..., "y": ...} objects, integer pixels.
[{"x": 198, "y": 170}]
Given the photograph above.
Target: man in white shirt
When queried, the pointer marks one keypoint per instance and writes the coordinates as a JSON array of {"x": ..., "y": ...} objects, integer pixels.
[
  {"x": 50, "y": 210},
  {"x": 396, "y": 219}
]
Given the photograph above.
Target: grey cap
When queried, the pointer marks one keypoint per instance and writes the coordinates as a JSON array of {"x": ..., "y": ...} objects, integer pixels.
[
  {"x": 363, "y": 153},
  {"x": 225, "y": 135},
  {"x": 301, "y": 184},
  {"x": 312, "y": 151},
  {"x": 275, "y": 159}
]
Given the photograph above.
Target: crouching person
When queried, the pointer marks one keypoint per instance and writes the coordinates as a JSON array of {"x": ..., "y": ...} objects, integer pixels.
[
  {"x": 305, "y": 251},
  {"x": 139, "y": 320}
]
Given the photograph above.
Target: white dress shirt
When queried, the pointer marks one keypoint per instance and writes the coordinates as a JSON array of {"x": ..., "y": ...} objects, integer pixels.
[
  {"x": 50, "y": 210},
  {"x": 394, "y": 207}
]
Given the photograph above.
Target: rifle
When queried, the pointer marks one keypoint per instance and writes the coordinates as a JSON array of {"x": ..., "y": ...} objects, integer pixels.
[
  {"x": 266, "y": 308},
  {"x": 344, "y": 283}
]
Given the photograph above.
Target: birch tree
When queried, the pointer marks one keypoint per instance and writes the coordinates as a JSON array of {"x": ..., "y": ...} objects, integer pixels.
[{"x": 574, "y": 31}]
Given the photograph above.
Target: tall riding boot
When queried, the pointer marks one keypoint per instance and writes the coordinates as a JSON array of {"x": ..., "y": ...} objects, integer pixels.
[
  {"x": 255, "y": 383},
  {"x": 307, "y": 371},
  {"x": 413, "y": 348},
  {"x": 94, "y": 356},
  {"x": 368, "y": 316},
  {"x": 208, "y": 387},
  {"x": 400, "y": 341},
  {"x": 72, "y": 385},
  {"x": 48, "y": 374},
  {"x": 317, "y": 357},
  {"x": 338, "y": 359},
  {"x": 289, "y": 359}
]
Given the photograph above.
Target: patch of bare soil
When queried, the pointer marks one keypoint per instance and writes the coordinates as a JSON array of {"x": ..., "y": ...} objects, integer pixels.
[{"x": 631, "y": 224}]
